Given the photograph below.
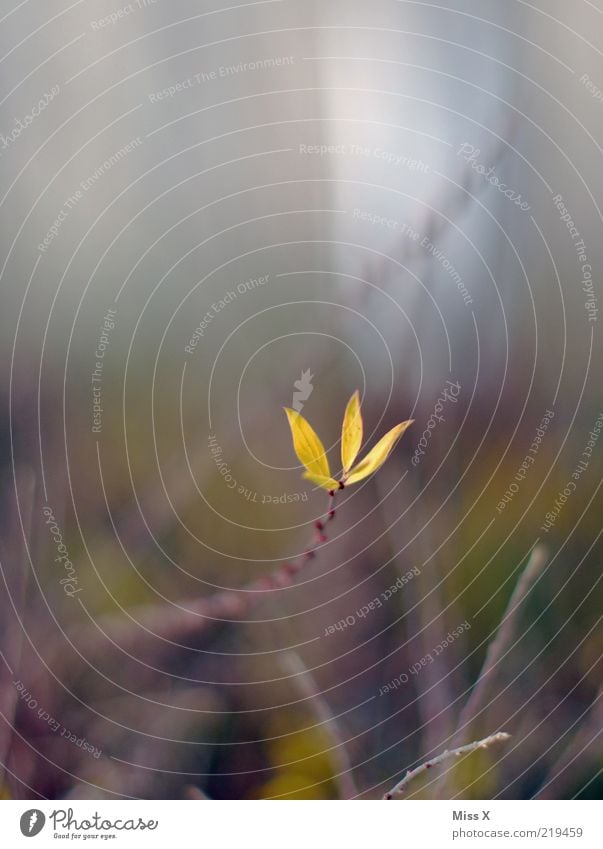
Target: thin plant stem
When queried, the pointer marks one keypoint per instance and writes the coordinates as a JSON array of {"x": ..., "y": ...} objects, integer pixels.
[
  {"x": 170, "y": 622},
  {"x": 502, "y": 639},
  {"x": 308, "y": 686},
  {"x": 195, "y": 793},
  {"x": 400, "y": 787}
]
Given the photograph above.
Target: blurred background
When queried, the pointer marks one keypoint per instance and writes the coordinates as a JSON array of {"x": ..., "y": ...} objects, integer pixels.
[{"x": 210, "y": 212}]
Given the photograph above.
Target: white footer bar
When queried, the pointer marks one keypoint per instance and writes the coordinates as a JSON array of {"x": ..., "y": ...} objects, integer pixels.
[{"x": 307, "y": 825}]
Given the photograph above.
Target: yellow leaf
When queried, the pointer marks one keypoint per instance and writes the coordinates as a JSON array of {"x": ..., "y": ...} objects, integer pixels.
[
  {"x": 351, "y": 432},
  {"x": 307, "y": 445},
  {"x": 320, "y": 480},
  {"x": 378, "y": 455}
]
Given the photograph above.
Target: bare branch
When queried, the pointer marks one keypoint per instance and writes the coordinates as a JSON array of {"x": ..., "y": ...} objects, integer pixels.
[
  {"x": 400, "y": 787},
  {"x": 308, "y": 686},
  {"x": 503, "y": 638},
  {"x": 585, "y": 744},
  {"x": 192, "y": 792},
  {"x": 173, "y": 622},
  {"x": 16, "y": 509},
  {"x": 422, "y": 607}
]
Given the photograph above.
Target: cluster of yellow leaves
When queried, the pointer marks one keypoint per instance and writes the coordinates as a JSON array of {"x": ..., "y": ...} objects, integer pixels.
[{"x": 312, "y": 454}]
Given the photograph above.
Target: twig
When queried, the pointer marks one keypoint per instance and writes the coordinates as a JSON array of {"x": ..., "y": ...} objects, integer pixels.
[
  {"x": 192, "y": 792},
  {"x": 559, "y": 775},
  {"x": 422, "y": 607},
  {"x": 400, "y": 787},
  {"x": 170, "y": 622},
  {"x": 309, "y": 687},
  {"x": 17, "y": 505},
  {"x": 503, "y": 638}
]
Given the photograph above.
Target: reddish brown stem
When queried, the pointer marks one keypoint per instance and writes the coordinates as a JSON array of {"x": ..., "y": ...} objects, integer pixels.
[{"x": 172, "y": 622}]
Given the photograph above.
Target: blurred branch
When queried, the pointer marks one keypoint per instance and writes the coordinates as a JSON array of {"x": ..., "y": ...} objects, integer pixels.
[
  {"x": 16, "y": 503},
  {"x": 192, "y": 792},
  {"x": 171, "y": 622},
  {"x": 563, "y": 772},
  {"x": 423, "y": 606},
  {"x": 501, "y": 643},
  {"x": 308, "y": 686},
  {"x": 400, "y": 787}
]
